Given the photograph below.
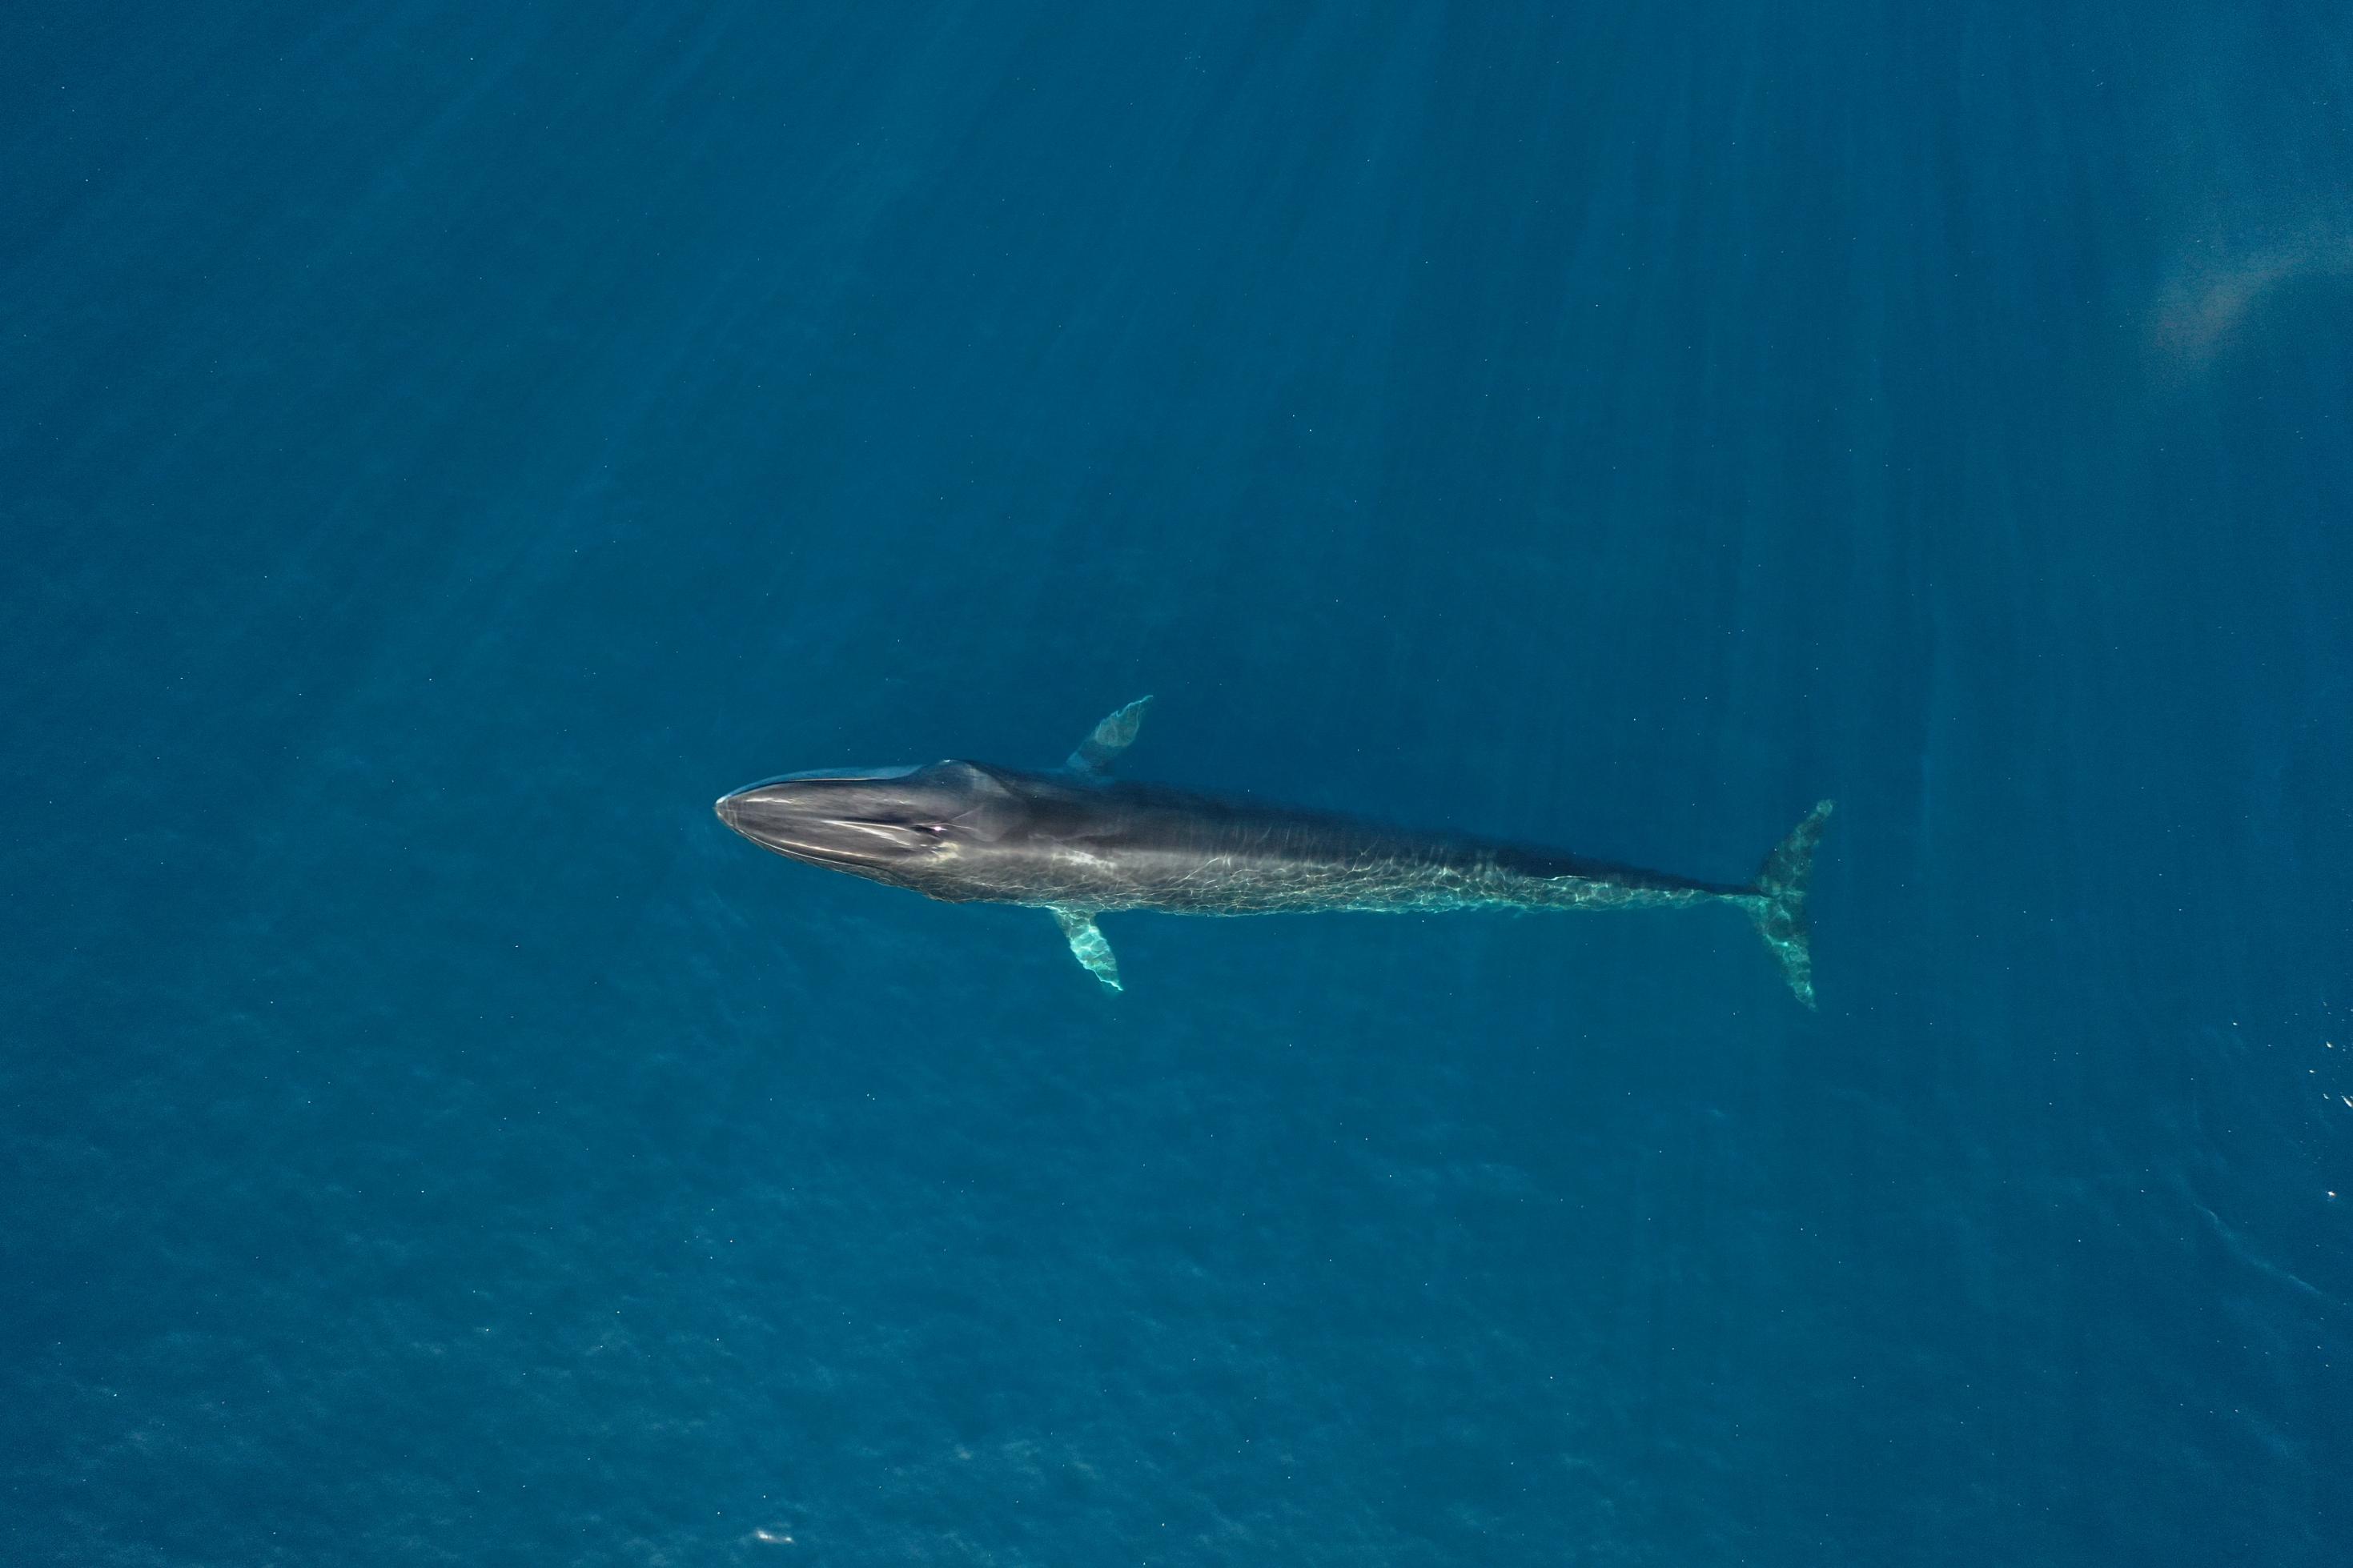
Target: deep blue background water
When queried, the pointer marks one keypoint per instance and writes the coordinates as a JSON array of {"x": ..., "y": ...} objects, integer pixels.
[{"x": 440, "y": 452}]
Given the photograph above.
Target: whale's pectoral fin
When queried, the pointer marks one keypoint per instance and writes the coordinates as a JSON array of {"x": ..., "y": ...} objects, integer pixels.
[
  {"x": 1087, "y": 943},
  {"x": 1113, "y": 735}
]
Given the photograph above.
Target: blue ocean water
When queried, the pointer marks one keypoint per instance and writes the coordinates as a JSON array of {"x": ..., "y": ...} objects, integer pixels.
[{"x": 442, "y": 448}]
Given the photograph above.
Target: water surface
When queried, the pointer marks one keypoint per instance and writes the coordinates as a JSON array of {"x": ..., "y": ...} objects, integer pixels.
[{"x": 442, "y": 451}]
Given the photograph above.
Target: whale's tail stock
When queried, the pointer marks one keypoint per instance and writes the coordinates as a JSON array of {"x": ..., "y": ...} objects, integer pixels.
[{"x": 1778, "y": 906}]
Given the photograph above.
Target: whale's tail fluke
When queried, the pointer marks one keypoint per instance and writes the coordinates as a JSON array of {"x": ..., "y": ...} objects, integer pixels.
[{"x": 1779, "y": 907}]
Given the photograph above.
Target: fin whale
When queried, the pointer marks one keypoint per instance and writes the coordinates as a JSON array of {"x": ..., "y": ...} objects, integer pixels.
[{"x": 1078, "y": 843}]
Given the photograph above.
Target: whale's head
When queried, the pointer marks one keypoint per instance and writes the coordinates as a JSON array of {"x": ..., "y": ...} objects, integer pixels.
[{"x": 888, "y": 824}]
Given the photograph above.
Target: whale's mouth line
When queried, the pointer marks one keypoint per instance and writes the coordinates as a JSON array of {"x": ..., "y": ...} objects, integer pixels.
[
  {"x": 842, "y": 842},
  {"x": 818, "y": 854},
  {"x": 811, "y": 853}
]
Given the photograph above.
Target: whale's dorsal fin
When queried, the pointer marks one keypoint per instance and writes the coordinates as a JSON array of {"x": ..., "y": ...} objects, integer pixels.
[
  {"x": 1113, "y": 735},
  {"x": 1087, "y": 943}
]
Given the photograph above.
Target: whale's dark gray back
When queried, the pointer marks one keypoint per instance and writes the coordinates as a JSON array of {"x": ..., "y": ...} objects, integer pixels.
[{"x": 1056, "y": 841}]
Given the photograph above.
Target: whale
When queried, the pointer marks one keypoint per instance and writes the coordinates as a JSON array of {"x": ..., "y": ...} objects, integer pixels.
[{"x": 1078, "y": 843}]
